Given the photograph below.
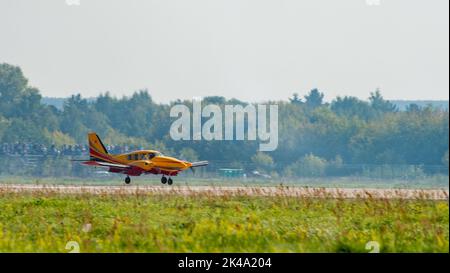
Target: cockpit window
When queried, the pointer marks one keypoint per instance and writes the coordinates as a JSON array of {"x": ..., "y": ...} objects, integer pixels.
[{"x": 151, "y": 155}]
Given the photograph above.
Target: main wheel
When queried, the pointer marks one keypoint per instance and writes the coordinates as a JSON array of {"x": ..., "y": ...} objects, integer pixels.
[
  {"x": 170, "y": 181},
  {"x": 163, "y": 180},
  {"x": 127, "y": 180}
]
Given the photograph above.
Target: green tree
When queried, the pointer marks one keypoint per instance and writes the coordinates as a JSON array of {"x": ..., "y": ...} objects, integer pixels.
[
  {"x": 314, "y": 98},
  {"x": 263, "y": 162},
  {"x": 308, "y": 166},
  {"x": 13, "y": 86},
  {"x": 352, "y": 107},
  {"x": 295, "y": 99},
  {"x": 381, "y": 105},
  {"x": 25, "y": 131}
]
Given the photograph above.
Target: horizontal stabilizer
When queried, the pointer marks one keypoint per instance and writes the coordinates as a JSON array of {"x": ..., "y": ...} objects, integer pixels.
[{"x": 105, "y": 164}]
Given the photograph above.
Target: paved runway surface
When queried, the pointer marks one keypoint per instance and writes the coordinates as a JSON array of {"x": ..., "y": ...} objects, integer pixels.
[{"x": 223, "y": 190}]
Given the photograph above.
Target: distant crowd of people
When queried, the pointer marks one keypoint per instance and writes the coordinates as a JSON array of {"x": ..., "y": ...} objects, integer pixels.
[{"x": 20, "y": 148}]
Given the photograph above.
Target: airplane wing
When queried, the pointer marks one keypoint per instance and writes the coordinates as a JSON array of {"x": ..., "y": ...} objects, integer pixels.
[{"x": 199, "y": 164}]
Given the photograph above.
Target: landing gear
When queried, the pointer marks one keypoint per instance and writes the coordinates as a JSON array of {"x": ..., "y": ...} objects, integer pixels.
[
  {"x": 163, "y": 180},
  {"x": 127, "y": 180}
]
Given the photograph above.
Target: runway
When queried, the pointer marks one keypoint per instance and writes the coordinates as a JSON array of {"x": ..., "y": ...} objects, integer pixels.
[{"x": 300, "y": 192}]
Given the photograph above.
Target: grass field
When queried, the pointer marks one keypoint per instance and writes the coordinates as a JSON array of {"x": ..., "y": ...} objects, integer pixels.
[{"x": 47, "y": 222}]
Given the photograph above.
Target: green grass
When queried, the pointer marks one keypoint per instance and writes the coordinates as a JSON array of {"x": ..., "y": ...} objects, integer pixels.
[{"x": 46, "y": 222}]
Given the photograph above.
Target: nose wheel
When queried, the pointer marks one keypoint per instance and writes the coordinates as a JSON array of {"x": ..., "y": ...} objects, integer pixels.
[
  {"x": 164, "y": 180},
  {"x": 127, "y": 180}
]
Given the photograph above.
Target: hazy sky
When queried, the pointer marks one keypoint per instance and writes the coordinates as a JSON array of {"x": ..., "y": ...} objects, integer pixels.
[{"x": 249, "y": 49}]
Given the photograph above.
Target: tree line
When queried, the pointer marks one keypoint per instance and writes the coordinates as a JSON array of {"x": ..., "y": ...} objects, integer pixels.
[{"x": 347, "y": 130}]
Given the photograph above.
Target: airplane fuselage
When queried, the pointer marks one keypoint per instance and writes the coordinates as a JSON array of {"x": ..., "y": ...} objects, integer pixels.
[{"x": 146, "y": 161}]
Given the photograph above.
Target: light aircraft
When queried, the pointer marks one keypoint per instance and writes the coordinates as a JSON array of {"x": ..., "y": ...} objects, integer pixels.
[{"x": 137, "y": 162}]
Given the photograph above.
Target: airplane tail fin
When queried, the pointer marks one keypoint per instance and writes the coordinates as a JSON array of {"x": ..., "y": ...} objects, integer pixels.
[{"x": 96, "y": 147}]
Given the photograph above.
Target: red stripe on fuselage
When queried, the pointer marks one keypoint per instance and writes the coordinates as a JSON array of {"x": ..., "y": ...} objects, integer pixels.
[{"x": 107, "y": 158}]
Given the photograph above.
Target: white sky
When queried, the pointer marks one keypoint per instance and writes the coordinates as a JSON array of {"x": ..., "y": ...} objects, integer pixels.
[{"x": 253, "y": 50}]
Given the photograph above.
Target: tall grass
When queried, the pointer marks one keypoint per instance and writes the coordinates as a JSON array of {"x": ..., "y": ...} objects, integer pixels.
[{"x": 45, "y": 221}]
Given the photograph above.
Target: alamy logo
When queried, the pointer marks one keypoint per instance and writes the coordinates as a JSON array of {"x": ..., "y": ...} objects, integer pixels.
[{"x": 258, "y": 126}]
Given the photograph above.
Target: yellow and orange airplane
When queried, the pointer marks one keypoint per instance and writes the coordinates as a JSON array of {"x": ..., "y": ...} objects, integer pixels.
[{"x": 137, "y": 162}]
